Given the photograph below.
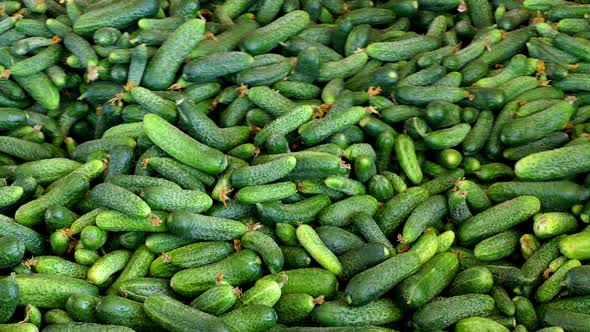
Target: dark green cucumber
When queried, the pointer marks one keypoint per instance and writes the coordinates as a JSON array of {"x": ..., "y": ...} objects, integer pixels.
[
  {"x": 47, "y": 291},
  {"x": 554, "y": 195},
  {"x": 399, "y": 208},
  {"x": 240, "y": 268},
  {"x": 445, "y": 312},
  {"x": 504, "y": 216},
  {"x": 116, "y": 15},
  {"x": 121, "y": 311},
  {"x": 165, "y": 311}
]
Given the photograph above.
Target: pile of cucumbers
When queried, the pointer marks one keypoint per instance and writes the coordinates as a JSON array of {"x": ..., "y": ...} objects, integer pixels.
[{"x": 294, "y": 165}]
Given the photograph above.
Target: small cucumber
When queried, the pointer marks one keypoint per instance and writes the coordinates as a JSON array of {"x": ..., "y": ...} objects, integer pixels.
[
  {"x": 498, "y": 246},
  {"x": 49, "y": 291},
  {"x": 266, "y": 247},
  {"x": 216, "y": 300},
  {"x": 165, "y": 311},
  {"x": 240, "y": 268},
  {"x": 445, "y": 312},
  {"x": 504, "y": 216},
  {"x": 318, "y": 250}
]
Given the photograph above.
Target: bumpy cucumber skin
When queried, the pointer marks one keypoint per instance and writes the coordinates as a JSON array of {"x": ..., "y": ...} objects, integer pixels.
[
  {"x": 265, "y": 39},
  {"x": 165, "y": 311},
  {"x": 499, "y": 218},
  {"x": 554, "y": 164},
  {"x": 9, "y": 297},
  {"x": 119, "y": 15},
  {"x": 263, "y": 244},
  {"x": 46, "y": 291},
  {"x": 240, "y": 268},
  {"x": 440, "y": 314},
  {"x": 171, "y": 54},
  {"x": 429, "y": 281},
  {"x": 318, "y": 250}
]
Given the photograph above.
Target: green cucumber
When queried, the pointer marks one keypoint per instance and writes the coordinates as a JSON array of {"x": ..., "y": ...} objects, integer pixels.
[
  {"x": 525, "y": 312},
  {"x": 312, "y": 243},
  {"x": 182, "y": 146},
  {"x": 399, "y": 208},
  {"x": 121, "y": 311},
  {"x": 338, "y": 313},
  {"x": 266, "y": 192},
  {"x": 268, "y": 37},
  {"x": 445, "y": 312},
  {"x": 9, "y": 300},
  {"x": 497, "y": 246},
  {"x": 120, "y": 199},
  {"x": 499, "y": 218},
  {"x": 551, "y": 287},
  {"x": 90, "y": 327},
  {"x": 341, "y": 212},
  {"x": 300, "y": 212},
  {"x": 295, "y": 307},
  {"x": 66, "y": 193},
  {"x": 266, "y": 247},
  {"x": 536, "y": 264},
  {"x": 312, "y": 281},
  {"x": 166, "y": 199},
  {"x": 554, "y": 195},
  {"x": 216, "y": 300},
  {"x": 427, "y": 213},
  {"x": 172, "y": 53},
  {"x": 429, "y": 281},
  {"x": 479, "y": 324},
  {"x": 406, "y": 155},
  {"x": 201, "y": 227},
  {"x": 116, "y": 15},
  {"x": 109, "y": 264},
  {"x": 165, "y": 311},
  {"x": 264, "y": 292},
  {"x": 49, "y": 291},
  {"x": 367, "y": 286},
  {"x": 250, "y": 318},
  {"x": 54, "y": 265},
  {"x": 240, "y": 268},
  {"x": 545, "y": 165},
  {"x": 576, "y": 280},
  {"x": 474, "y": 280},
  {"x": 139, "y": 289},
  {"x": 550, "y": 224}
]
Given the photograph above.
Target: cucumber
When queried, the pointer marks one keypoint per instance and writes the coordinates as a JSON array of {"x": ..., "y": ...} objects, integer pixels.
[
  {"x": 402, "y": 50},
  {"x": 551, "y": 287},
  {"x": 216, "y": 300},
  {"x": 338, "y": 313},
  {"x": 266, "y": 192},
  {"x": 162, "y": 198},
  {"x": 185, "y": 176},
  {"x": 504, "y": 216},
  {"x": 576, "y": 280},
  {"x": 424, "y": 215},
  {"x": 366, "y": 286},
  {"x": 172, "y": 53},
  {"x": 294, "y": 307},
  {"x": 474, "y": 280},
  {"x": 498, "y": 246},
  {"x": 536, "y": 264},
  {"x": 479, "y": 324},
  {"x": 201, "y": 227},
  {"x": 304, "y": 211},
  {"x": 268, "y": 37},
  {"x": 109, "y": 264},
  {"x": 250, "y": 318},
  {"x": 265, "y": 292},
  {"x": 525, "y": 312},
  {"x": 90, "y": 327},
  {"x": 121, "y": 311},
  {"x": 406, "y": 155},
  {"x": 266, "y": 247},
  {"x": 550, "y": 224},
  {"x": 50, "y": 291},
  {"x": 570, "y": 321},
  {"x": 111, "y": 196},
  {"x": 9, "y": 300},
  {"x": 182, "y": 146},
  {"x": 429, "y": 281},
  {"x": 341, "y": 212},
  {"x": 263, "y": 173},
  {"x": 139, "y": 289},
  {"x": 240, "y": 268},
  {"x": 312, "y": 243},
  {"x": 66, "y": 193},
  {"x": 116, "y": 15},
  {"x": 554, "y": 195},
  {"x": 399, "y": 208},
  {"x": 543, "y": 165},
  {"x": 54, "y": 265},
  {"x": 165, "y": 311},
  {"x": 554, "y": 118},
  {"x": 445, "y": 312},
  {"x": 209, "y": 67}
]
